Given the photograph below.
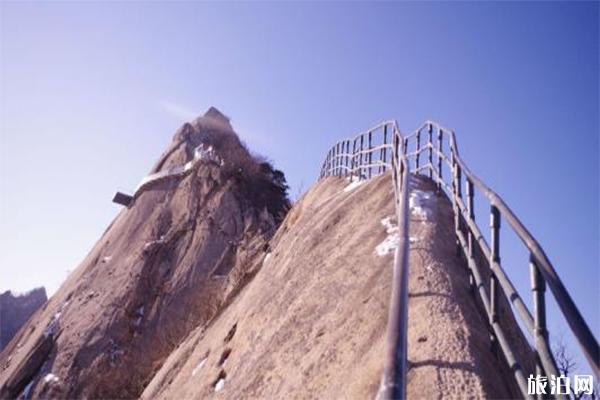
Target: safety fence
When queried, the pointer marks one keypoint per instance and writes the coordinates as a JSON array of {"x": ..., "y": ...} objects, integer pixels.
[{"x": 432, "y": 150}]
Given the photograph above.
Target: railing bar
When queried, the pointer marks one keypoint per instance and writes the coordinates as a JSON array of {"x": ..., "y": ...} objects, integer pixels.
[
  {"x": 494, "y": 259},
  {"x": 497, "y": 329},
  {"x": 395, "y": 368},
  {"x": 422, "y": 167},
  {"x": 418, "y": 151},
  {"x": 440, "y": 138},
  {"x": 506, "y": 284},
  {"x": 338, "y": 159},
  {"x": 456, "y": 193},
  {"x": 540, "y": 334},
  {"x": 430, "y": 146},
  {"x": 366, "y": 151},
  {"x": 443, "y": 156},
  {"x": 572, "y": 315},
  {"x": 333, "y": 160},
  {"x": 370, "y": 153},
  {"x": 375, "y": 164},
  {"x": 384, "y": 148},
  {"x": 360, "y": 161},
  {"x": 344, "y": 159},
  {"x": 353, "y": 163}
]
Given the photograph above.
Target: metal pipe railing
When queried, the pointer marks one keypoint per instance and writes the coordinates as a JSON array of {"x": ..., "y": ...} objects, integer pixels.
[
  {"x": 371, "y": 160},
  {"x": 394, "y": 380},
  {"x": 575, "y": 320}
]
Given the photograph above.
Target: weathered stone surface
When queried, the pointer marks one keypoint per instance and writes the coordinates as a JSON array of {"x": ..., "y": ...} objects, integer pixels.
[
  {"x": 164, "y": 266},
  {"x": 311, "y": 324}
]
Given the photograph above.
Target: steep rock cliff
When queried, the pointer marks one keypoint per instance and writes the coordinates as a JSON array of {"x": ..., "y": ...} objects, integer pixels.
[
  {"x": 312, "y": 322},
  {"x": 164, "y": 266}
]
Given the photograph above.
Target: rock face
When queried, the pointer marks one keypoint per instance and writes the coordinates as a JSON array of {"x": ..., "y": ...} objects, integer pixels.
[
  {"x": 312, "y": 322},
  {"x": 16, "y": 310},
  {"x": 164, "y": 266}
]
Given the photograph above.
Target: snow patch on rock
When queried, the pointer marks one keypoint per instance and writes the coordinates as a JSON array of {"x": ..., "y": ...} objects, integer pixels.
[
  {"x": 354, "y": 183},
  {"x": 421, "y": 204},
  {"x": 391, "y": 241},
  {"x": 220, "y": 384},
  {"x": 153, "y": 243},
  {"x": 199, "y": 366},
  {"x": 52, "y": 327},
  {"x": 50, "y": 378},
  {"x": 206, "y": 153}
]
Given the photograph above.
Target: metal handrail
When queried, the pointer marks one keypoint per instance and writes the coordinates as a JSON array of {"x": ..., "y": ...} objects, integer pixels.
[
  {"x": 360, "y": 164},
  {"x": 340, "y": 161},
  {"x": 540, "y": 264}
]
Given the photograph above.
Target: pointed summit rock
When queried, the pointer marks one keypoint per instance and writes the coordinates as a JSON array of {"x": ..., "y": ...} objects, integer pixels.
[
  {"x": 211, "y": 120},
  {"x": 213, "y": 112}
]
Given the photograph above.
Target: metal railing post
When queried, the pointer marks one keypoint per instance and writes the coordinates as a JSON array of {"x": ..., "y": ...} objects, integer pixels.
[
  {"x": 353, "y": 161},
  {"x": 360, "y": 160},
  {"x": 439, "y": 166},
  {"x": 538, "y": 287},
  {"x": 545, "y": 365},
  {"x": 396, "y": 156},
  {"x": 494, "y": 259},
  {"x": 402, "y": 171},
  {"x": 430, "y": 133},
  {"x": 335, "y": 158},
  {"x": 418, "y": 151},
  {"x": 344, "y": 160},
  {"x": 347, "y": 157},
  {"x": 383, "y": 156},
  {"x": 457, "y": 189},
  {"x": 370, "y": 154},
  {"x": 338, "y": 159},
  {"x": 470, "y": 238},
  {"x": 332, "y": 161}
]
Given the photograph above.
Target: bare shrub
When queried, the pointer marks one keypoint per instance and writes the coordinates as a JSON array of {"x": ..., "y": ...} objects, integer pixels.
[
  {"x": 567, "y": 366},
  {"x": 261, "y": 184}
]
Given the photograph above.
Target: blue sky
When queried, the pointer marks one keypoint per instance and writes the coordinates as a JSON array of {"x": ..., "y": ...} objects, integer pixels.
[{"x": 91, "y": 93}]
